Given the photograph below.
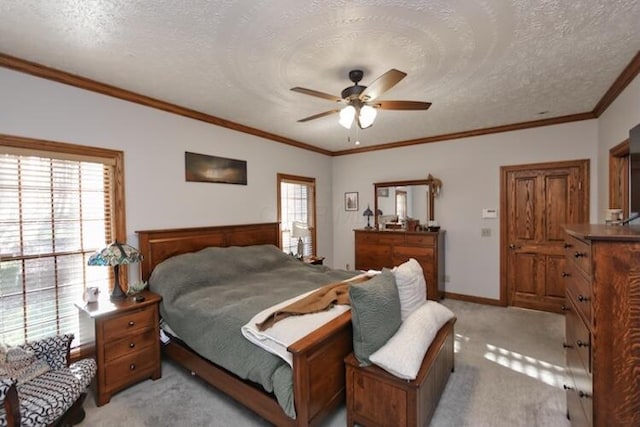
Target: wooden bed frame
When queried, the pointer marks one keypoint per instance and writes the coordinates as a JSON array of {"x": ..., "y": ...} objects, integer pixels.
[{"x": 318, "y": 358}]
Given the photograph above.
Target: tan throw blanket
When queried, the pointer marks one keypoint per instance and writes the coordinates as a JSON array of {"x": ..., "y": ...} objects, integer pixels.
[{"x": 320, "y": 300}]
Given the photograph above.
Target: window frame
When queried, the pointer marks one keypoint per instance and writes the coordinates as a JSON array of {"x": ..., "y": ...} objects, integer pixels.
[
  {"x": 282, "y": 177},
  {"x": 10, "y": 143}
]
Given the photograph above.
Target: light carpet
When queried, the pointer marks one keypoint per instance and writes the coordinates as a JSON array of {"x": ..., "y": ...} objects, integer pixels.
[{"x": 509, "y": 371}]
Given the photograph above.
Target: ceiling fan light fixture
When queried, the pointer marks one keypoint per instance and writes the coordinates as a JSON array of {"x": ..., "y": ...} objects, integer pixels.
[
  {"x": 367, "y": 116},
  {"x": 347, "y": 114}
]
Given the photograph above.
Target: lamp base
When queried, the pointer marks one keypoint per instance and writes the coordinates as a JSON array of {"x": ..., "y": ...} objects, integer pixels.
[
  {"x": 117, "y": 293},
  {"x": 300, "y": 254}
]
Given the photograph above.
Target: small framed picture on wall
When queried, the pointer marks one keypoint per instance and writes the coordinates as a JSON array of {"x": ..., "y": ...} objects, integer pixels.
[{"x": 351, "y": 201}]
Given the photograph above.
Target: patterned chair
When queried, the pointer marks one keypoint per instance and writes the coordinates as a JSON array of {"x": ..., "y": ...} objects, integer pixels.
[{"x": 52, "y": 398}]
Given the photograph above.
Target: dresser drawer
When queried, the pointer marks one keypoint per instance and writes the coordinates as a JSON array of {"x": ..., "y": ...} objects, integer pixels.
[
  {"x": 117, "y": 326},
  {"x": 579, "y": 292},
  {"x": 420, "y": 239},
  {"x": 580, "y": 253},
  {"x": 128, "y": 345},
  {"x": 406, "y": 252},
  {"x": 578, "y": 338},
  {"x": 385, "y": 238},
  {"x": 125, "y": 370}
]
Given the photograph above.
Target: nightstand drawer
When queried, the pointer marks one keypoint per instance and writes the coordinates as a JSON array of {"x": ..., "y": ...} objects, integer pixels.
[
  {"x": 128, "y": 345},
  {"x": 118, "y": 326},
  {"x": 125, "y": 369}
]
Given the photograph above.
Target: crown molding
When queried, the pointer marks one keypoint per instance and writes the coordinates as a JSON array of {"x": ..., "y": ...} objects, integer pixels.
[
  {"x": 628, "y": 74},
  {"x": 475, "y": 132},
  {"x": 39, "y": 70},
  {"x": 59, "y": 76}
]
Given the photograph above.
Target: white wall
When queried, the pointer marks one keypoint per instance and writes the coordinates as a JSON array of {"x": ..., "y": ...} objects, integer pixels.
[
  {"x": 154, "y": 143},
  {"x": 158, "y": 197},
  {"x": 613, "y": 128},
  {"x": 470, "y": 171}
]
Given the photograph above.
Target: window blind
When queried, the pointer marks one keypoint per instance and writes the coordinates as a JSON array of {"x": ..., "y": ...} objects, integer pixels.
[{"x": 55, "y": 211}]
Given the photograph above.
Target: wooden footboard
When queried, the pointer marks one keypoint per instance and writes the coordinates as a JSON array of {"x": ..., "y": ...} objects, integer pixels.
[
  {"x": 319, "y": 371},
  {"x": 318, "y": 375}
]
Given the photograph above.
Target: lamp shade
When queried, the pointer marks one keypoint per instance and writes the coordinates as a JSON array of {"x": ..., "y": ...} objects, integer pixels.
[
  {"x": 300, "y": 229},
  {"x": 347, "y": 114},
  {"x": 115, "y": 254},
  {"x": 367, "y": 212},
  {"x": 367, "y": 116}
]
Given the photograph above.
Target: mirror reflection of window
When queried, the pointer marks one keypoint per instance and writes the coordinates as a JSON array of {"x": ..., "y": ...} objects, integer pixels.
[{"x": 401, "y": 204}]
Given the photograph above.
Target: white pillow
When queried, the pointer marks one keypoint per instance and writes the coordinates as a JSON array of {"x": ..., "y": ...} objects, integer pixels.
[
  {"x": 412, "y": 287},
  {"x": 402, "y": 355}
]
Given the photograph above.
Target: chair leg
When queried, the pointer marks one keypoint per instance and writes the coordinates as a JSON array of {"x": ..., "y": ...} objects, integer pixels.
[
  {"x": 12, "y": 407},
  {"x": 74, "y": 415}
]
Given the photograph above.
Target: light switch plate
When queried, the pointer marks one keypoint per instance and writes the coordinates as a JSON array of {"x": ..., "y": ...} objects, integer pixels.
[{"x": 489, "y": 213}]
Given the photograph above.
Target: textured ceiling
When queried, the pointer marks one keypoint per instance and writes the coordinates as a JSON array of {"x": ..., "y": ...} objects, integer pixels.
[{"x": 482, "y": 63}]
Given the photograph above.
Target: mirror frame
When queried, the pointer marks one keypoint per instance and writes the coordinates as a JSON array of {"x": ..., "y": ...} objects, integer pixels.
[{"x": 434, "y": 189}]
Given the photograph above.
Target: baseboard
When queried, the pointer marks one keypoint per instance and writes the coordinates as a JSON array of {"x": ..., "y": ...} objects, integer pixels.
[{"x": 471, "y": 298}]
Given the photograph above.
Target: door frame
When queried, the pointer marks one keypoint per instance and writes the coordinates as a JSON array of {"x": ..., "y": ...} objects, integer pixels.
[{"x": 582, "y": 164}]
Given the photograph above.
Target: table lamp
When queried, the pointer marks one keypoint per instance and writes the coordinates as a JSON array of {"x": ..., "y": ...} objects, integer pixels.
[
  {"x": 300, "y": 230},
  {"x": 116, "y": 254},
  {"x": 368, "y": 213}
]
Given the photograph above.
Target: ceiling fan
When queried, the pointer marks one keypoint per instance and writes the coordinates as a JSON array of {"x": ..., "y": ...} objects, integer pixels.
[{"x": 362, "y": 101}]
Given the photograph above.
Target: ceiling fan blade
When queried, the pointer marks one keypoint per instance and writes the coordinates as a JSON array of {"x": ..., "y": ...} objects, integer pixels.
[
  {"x": 317, "y": 116},
  {"x": 382, "y": 84},
  {"x": 402, "y": 105},
  {"x": 316, "y": 93}
]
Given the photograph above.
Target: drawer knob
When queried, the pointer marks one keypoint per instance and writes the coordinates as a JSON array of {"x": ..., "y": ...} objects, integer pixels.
[
  {"x": 132, "y": 367},
  {"x": 584, "y": 395},
  {"x": 131, "y": 345},
  {"x": 582, "y": 298},
  {"x": 566, "y": 387},
  {"x": 131, "y": 323},
  {"x": 565, "y": 345},
  {"x": 567, "y": 245},
  {"x": 582, "y": 344},
  {"x": 579, "y": 254},
  {"x": 564, "y": 308},
  {"x": 565, "y": 274}
]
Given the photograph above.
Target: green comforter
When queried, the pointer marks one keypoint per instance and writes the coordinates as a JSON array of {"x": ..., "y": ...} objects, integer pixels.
[{"x": 207, "y": 296}]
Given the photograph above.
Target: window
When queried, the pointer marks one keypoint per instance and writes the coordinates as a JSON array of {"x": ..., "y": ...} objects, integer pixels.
[
  {"x": 401, "y": 204},
  {"x": 296, "y": 202},
  {"x": 59, "y": 203}
]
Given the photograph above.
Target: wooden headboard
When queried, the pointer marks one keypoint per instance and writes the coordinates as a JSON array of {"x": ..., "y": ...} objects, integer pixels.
[{"x": 158, "y": 245}]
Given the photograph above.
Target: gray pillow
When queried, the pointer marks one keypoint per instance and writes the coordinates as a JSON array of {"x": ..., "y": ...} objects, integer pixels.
[{"x": 375, "y": 314}]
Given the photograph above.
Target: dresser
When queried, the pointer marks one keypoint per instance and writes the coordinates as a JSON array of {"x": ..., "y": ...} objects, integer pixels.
[
  {"x": 377, "y": 249},
  {"x": 127, "y": 342},
  {"x": 602, "y": 336}
]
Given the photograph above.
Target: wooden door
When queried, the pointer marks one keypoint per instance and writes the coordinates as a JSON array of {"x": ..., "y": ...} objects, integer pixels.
[{"x": 537, "y": 200}]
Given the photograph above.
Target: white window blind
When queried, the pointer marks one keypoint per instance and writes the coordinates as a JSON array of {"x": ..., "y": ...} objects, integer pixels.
[
  {"x": 297, "y": 203},
  {"x": 55, "y": 211}
]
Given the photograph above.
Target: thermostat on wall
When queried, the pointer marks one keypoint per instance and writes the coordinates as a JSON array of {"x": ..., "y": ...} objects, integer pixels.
[{"x": 489, "y": 213}]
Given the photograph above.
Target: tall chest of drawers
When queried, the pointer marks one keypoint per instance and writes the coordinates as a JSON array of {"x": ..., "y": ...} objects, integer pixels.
[
  {"x": 602, "y": 338},
  {"x": 377, "y": 249}
]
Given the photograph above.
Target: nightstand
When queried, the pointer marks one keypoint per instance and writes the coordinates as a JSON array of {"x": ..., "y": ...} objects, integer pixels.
[
  {"x": 315, "y": 260},
  {"x": 127, "y": 342}
]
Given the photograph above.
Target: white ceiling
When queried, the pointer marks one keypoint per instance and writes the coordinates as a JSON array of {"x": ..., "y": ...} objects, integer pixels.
[{"x": 482, "y": 63}]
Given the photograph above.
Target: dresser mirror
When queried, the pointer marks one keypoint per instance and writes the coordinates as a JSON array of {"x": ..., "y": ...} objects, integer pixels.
[{"x": 397, "y": 201}]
